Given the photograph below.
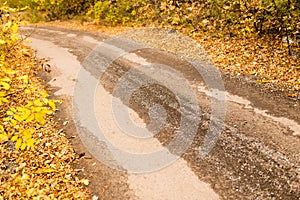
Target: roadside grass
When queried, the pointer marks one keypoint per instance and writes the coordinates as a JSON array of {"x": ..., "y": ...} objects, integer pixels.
[{"x": 35, "y": 155}]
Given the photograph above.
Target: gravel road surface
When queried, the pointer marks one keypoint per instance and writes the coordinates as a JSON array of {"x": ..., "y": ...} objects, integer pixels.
[{"x": 256, "y": 155}]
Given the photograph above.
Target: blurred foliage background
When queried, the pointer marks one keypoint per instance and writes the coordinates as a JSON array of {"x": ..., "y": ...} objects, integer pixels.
[{"x": 271, "y": 18}]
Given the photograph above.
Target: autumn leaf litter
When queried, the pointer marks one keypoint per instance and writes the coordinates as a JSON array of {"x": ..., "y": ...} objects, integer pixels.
[{"x": 35, "y": 156}]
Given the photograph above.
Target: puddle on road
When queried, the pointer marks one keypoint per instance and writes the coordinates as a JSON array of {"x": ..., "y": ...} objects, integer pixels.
[{"x": 291, "y": 124}]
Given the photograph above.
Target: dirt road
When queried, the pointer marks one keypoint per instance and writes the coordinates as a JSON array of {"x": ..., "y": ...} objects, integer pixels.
[{"x": 256, "y": 155}]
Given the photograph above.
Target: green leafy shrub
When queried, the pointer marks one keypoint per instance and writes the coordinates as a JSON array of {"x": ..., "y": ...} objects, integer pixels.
[
  {"x": 116, "y": 11},
  {"x": 53, "y": 9}
]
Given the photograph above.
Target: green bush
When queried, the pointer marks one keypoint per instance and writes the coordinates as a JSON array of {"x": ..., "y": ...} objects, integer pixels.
[
  {"x": 53, "y": 9},
  {"x": 234, "y": 17},
  {"x": 261, "y": 16},
  {"x": 116, "y": 11},
  {"x": 264, "y": 17},
  {"x": 60, "y": 9}
]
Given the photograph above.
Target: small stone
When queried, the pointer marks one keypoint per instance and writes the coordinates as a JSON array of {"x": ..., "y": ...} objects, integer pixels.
[
  {"x": 95, "y": 197},
  {"x": 172, "y": 31}
]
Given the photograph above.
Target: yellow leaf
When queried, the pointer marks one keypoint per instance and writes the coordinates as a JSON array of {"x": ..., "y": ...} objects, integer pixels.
[
  {"x": 29, "y": 103},
  {"x": 27, "y": 136},
  {"x": 262, "y": 81},
  {"x": 6, "y": 79},
  {"x": 18, "y": 143},
  {"x": 14, "y": 122},
  {"x": 3, "y": 137},
  {"x": 39, "y": 117},
  {"x": 23, "y": 146},
  {"x": 8, "y": 24},
  {"x": 5, "y": 85},
  {"x": 37, "y": 109},
  {"x": 8, "y": 71},
  {"x": 18, "y": 118},
  {"x": 18, "y": 179},
  {"x": 24, "y": 78},
  {"x": 2, "y": 94},
  {"x": 44, "y": 94},
  {"x": 24, "y": 8},
  {"x": 9, "y": 112},
  {"x": 21, "y": 109},
  {"x": 52, "y": 104},
  {"x": 46, "y": 111},
  {"x": 26, "y": 114},
  {"x": 14, "y": 36},
  {"x": 27, "y": 131},
  {"x": 45, "y": 100},
  {"x": 48, "y": 170},
  {"x": 22, "y": 117},
  {"x": 15, "y": 28},
  {"x": 6, "y": 119},
  {"x": 37, "y": 103},
  {"x": 2, "y": 42},
  {"x": 40, "y": 171},
  {"x": 3, "y": 100},
  {"x": 30, "y": 143},
  {"x": 14, "y": 138},
  {"x": 30, "y": 118},
  {"x": 26, "y": 52}
]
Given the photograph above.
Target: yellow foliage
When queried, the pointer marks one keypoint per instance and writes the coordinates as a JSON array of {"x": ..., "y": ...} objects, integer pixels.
[
  {"x": 31, "y": 106},
  {"x": 18, "y": 143},
  {"x": 14, "y": 138},
  {"x": 3, "y": 137}
]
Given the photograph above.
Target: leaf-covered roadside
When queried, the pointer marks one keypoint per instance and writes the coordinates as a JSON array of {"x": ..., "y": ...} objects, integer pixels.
[
  {"x": 266, "y": 60},
  {"x": 257, "y": 38},
  {"x": 35, "y": 156}
]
